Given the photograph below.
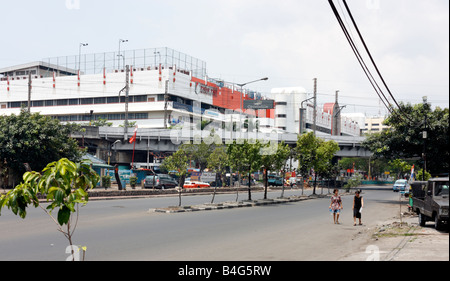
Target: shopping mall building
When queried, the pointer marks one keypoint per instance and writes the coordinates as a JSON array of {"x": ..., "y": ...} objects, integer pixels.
[{"x": 165, "y": 88}]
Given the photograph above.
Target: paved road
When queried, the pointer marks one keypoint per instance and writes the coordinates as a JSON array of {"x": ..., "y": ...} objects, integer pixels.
[{"x": 125, "y": 230}]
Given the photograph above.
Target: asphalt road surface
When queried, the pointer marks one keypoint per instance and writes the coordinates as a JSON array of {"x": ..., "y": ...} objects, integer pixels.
[{"x": 122, "y": 230}]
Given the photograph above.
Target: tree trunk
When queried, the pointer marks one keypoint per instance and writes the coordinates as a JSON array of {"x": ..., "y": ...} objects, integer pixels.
[
  {"x": 265, "y": 183},
  {"x": 249, "y": 186}
]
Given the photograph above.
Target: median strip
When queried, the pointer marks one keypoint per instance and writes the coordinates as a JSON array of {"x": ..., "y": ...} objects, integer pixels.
[{"x": 232, "y": 205}]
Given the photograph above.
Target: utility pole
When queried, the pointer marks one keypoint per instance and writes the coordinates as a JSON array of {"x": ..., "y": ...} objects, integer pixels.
[
  {"x": 425, "y": 137},
  {"x": 166, "y": 103},
  {"x": 315, "y": 107},
  {"x": 127, "y": 92},
  {"x": 29, "y": 92}
]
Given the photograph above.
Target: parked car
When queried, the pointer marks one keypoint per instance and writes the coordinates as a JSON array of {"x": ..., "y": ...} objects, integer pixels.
[
  {"x": 160, "y": 181},
  {"x": 401, "y": 185},
  {"x": 196, "y": 184},
  {"x": 274, "y": 180},
  {"x": 430, "y": 201}
]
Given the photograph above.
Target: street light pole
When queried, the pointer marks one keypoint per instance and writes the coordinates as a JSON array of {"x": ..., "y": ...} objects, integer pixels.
[
  {"x": 79, "y": 54},
  {"x": 242, "y": 86},
  {"x": 425, "y": 137},
  {"x": 118, "y": 55}
]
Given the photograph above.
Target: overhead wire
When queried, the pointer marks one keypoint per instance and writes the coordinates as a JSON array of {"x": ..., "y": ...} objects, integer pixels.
[{"x": 360, "y": 59}]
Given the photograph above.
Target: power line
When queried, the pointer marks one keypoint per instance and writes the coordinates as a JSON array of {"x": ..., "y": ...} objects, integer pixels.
[{"x": 360, "y": 59}]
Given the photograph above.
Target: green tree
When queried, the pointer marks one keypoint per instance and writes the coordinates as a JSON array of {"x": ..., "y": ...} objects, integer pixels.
[
  {"x": 314, "y": 153},
  {"x": 404, "y": 139},
  {"x": 35, "y": 139},
  {"x": 399, "y": 167},
  {"x": 273, "y": 159},
  {"x": 245, "y": 156},
  {"x": 325, "y": 153},
  {"x": 64, "y": 184},
  {"x": 177, "y": 163},
  {"x": 218, "y": 162}
]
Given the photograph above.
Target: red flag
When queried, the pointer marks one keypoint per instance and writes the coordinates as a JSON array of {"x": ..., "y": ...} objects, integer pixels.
[{"x": 133, "y": 138}]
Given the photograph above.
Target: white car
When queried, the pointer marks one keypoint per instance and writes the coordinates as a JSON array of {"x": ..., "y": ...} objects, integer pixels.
[{"x": 401, "y": 185}]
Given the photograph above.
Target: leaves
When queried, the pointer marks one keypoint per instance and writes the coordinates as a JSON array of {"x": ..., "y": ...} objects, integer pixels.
[
  {"x": 64, "y": 184},
  {"x": 35, "y": 139},
  {"x": 404, "y": 138}
]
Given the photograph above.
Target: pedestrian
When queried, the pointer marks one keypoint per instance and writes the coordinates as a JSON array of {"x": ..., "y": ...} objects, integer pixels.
[
  {"x": 336, "y": 205},
  {"x": 358, "y": 204}
]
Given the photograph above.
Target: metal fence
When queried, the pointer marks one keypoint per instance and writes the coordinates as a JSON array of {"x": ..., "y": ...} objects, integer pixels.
[{"x": 144, "y": 59}]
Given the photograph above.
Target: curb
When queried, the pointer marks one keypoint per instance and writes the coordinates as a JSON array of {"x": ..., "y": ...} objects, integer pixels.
[{"x": 232, "y": 205}]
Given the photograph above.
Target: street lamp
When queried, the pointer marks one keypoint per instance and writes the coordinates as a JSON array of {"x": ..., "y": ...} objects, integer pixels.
[
  {"x": 118, "y": 59},
  {"x": 425, "y": 137},
  {"x": 242, "y": 85},
  {"x": 79, "y": 54},
  {"x": 302, "y": 116},
  {"x": 157, "y": 53}
]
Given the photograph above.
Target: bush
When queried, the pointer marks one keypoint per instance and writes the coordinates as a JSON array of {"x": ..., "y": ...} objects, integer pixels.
[
  {"x": 106, "y": 181},
  {"x": 354, "y": 181},
  {"x": 133, "y": 181}
]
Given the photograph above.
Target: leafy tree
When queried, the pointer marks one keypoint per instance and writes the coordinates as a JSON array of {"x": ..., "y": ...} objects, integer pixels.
[
  {"x": 218, "y": 162},
  {"x": 199, "y": 152},
  {"x": 399, "y": 167},
  {"x": 325, "y": 153},
  {"x": 35, "y": 139},
  {"x": 177, "y": 163},
  {"x": 273, "y": 159},
  {"x": 245, "y": 156},
  {"x": 314, "y": 153},
  {"x": 64, "y": 184},
  {"x": 404, "y": 139}
]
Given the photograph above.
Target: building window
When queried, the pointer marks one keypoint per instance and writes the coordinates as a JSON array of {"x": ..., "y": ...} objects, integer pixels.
[
  {"x": 141, "y": 116},
  {"x": 140, "y": 98},
  {"x": 281, "y": 115},
  {"x": 99, "y": 100},
  {"x": 112, "y": 100},
  {"x": 39, "y": 103},
  {"x": 113, "y": 116},
  {"x": 62, "y": 102},
  {"x": 87, "y": 101}
]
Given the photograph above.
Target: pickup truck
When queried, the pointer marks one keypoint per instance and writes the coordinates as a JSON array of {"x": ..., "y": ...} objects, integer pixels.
[{"x": 430, "y": 201}]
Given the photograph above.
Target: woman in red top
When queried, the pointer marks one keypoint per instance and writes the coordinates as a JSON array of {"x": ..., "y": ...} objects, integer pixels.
[{"x": 336, "y": 206}]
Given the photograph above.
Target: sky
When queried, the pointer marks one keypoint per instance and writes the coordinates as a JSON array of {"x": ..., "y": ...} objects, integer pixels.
[{"x": 290, "y": 41}]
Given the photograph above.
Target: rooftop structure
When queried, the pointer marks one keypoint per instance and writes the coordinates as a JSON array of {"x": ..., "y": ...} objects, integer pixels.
[{"x": 38, "y": 69}]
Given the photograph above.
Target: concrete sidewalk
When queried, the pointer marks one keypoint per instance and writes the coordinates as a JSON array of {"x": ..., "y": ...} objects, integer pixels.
[{"x": 403, "y": 241}]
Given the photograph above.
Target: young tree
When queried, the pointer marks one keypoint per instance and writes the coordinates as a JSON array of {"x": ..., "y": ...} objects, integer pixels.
[
  {"x": 246, "y": 157},
  {"x": 273, "y": 159},
  {"x": 218, "y": 162},
  {"x": 177, "y": 163},
  {"x": 64, "y": 184},
  {"x": 314, "y": 153}
]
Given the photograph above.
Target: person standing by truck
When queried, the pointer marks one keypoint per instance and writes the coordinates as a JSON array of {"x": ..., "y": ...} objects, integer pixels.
[{"x": 358, "y": 204}]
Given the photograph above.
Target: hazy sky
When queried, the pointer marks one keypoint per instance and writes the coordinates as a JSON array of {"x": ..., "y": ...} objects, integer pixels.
[{"x": 289, "y": 41}]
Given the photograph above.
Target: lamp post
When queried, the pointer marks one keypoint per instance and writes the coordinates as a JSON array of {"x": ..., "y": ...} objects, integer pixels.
[
  {"x": 118, "y": 55},
  {"x": 242, "y": 86},
  {"x": 425, "y": 137},
  {"x": 79, "y": 54}
]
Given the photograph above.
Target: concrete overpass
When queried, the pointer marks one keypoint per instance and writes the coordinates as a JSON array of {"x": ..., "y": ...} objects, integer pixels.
[{"x": 110, "y": 143}]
